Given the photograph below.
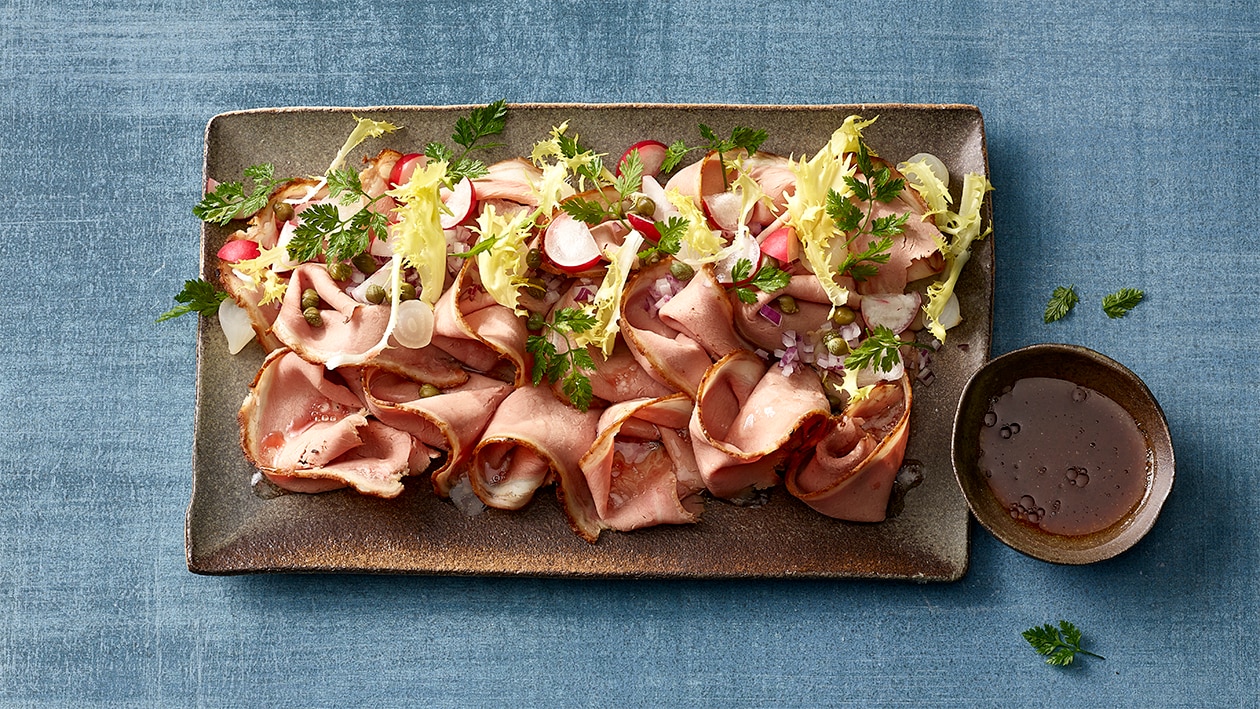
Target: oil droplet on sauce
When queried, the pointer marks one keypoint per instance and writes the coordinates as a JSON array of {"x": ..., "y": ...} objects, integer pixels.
[{"x": 1056, "y": 427}]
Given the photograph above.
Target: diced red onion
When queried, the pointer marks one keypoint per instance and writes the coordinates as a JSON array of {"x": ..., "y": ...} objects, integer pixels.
[
  {"x": 585, "y": 294},
  {"x": 769, "y": 313}
]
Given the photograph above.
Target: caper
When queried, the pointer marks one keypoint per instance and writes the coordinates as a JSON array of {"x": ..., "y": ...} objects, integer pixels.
[
  {"x": 843, "y": 315},
  {"x": 534, "y": 322},
  {"x": 644, "y": 206},
  {"x": 681, "y": 271},
  {"x": 365, "y": 263},
  {"x": 310, "y": 298},
  {"x": 313, "y": 318},
  {"x": 427, "y": 390},
  {"x": 406, "y": 291},
  {"x": 375, "y": 294},
  {"x": 283, "y": 211},
  {"x": 537, "y": 287},
  {"x": 533, "y": 258},
  {"x": 339, "y": 270},
  {"x": 653, "y": 256},
  {"x": 835, "y": 344},
  {"x": 787, "y": 305}
]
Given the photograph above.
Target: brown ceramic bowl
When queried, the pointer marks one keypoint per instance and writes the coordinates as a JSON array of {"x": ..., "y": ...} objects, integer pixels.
[{"x": 1085, "y": 368}]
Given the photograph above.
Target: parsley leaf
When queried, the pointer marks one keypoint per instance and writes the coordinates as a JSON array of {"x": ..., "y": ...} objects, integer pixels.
[
  {"x": 1118, "y": 304},
  {"x": 228, "y": 201},
  {"x": 770, "y": 279},
  {"x": 1059, "y": 645},
  {"x": 568, "y": 369},
  {"x": 480, "y": 123},
  {"x": 879, "y": 351},
  {"x": 869, "y": 185},
  {"x": 671, "y": 238},
  {"x": 861, "y": 266},
  {"x": 197, "y": 297},
  {"x": 1062, "y": 300},
  {"x": 674, "y": 155},
  {"x": 742, "y": 270},
  {"x": 585, "y": 210},
  {"x": 741, "y": 137}
]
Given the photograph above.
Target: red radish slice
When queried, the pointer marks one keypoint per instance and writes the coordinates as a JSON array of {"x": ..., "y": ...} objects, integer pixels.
[
  {"x": 651, "y": 154},
  {"x": 723, "y": 210},
  {"x": 569, "y": 244},
  {"x": 239, "y": 250},
  {"x": 404, "y": 168},
  {"x": 747, "y": 249},
  {"x": 644, "y": 226},
  {"x": 781, "y": 244},
  {"x": 894, "y": 311},
  {"x": 461, "y": 201}
]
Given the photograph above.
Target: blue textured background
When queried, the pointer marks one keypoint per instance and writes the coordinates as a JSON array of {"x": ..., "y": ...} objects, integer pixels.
[{"x": 1123, "y": 144}]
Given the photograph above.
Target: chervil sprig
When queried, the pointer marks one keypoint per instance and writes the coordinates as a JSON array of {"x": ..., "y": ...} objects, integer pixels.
[
  {"x": 324, "y": 232},
  {"x": 480, "y": 123},
  {"x": 1118, "y": 304},
  {"x": 594, "y": 212},
  {"x": 197, "y": 297},
  {"x": 875, "y": 185},
  {"x": 768, "y": 279},
  {"x": 228, "y": 201},
  {"x": 741, "y": 137},
  {"x": 1062, "y": 300},
  {"x": 879, "y": 351},
  {"x": 567, "y": 368},
  {"x": 671, "y": 232},
  {"x": 1060, "y": 646}
]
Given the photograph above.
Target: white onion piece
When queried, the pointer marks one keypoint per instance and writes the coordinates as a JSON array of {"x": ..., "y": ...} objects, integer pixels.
[
  {"x": 414, "y": 328},
  {"x": 379, "y": 278},
  {"x": 934, "y": 163},
  {"x": 236, "y": 326},
  {"x": 950, "y": 314}
]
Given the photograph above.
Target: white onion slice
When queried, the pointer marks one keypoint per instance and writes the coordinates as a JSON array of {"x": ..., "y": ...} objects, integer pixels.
[
  {"x": 414, "y": 328},
  {"x": 934, "y": 163},
  {"x": 950, "y": 314},
  {"x": 236, "y": 326}
]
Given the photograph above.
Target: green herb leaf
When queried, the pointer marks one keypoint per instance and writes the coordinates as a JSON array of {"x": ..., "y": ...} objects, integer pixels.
[
  {"x": 844, "y": 213},
  {"x": 746, "y": 295},
  {"x": 568, "y": 369},
  {"x": 568, "y": 320},
  {"x": 483, "y": 245},
  {"x": 1118, "y": 304},
  {"x": 585, "y": 210},
  {"x": 1060, "y": 646},
  {"x": 345, "y": 183},
  {"x": 879, "y": 351},
  {"x": 1062, "y": 300},
  {"x": 481, "y": 122},
  {"x": 861, "y": 266},
  {"x": 438, "y": 152},
  {"x": 198, "y": 296},
  {"x": 741, "y": 271},
  {"x": 228, "y": 201},
  {"x": 674, "y": 155},
  {"x": 891, "y": 225},
  {"x": 770, "y": 279},
  {"x": 631, "y": 177}
]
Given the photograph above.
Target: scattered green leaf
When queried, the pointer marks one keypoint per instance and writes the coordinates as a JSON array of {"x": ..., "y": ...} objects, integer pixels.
[
  {"x": 198, "y": 296},
  {"x": 228, "y": 201},
  {"x": 1118, "y": 304},
  {"x": 1062, "y": 300},
  {"x": 1059, "y": 645}
]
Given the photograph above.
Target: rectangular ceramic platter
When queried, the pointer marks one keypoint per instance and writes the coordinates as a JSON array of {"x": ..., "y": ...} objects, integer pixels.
[{"x": 231, "y": 529}]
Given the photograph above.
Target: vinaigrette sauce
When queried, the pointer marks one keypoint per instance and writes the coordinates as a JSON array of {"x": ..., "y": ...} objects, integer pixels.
[{"x": 1062, "y": 457}]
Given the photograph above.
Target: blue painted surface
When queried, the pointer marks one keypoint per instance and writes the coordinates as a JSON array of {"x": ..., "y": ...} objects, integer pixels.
[{"x": 1123, "y": 143}]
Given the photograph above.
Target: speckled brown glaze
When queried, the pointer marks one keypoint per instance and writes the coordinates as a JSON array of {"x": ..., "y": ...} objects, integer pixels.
[
  {"x": 1089, "y": 369},
  {"x": 231, "y": 530}
]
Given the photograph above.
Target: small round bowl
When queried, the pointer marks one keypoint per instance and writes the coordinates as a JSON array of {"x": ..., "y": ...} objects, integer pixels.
[{"x": 1085, "y": 368}]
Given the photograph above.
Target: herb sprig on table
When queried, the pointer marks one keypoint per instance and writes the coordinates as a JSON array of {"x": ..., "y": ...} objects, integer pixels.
[
  {"x": 1060, "y": 645},
  {"x": 197, "y": 297}
]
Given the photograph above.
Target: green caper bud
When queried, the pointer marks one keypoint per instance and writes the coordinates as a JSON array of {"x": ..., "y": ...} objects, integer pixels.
[
  {"x": 375, "y": 294},
  {"x": 681, "y": 271},
  {"x": 535, "y": 322},
  {"x": 835, "y": 344},
  {"x": 653, "y": 256},
  {"x": 537, "y": 287},
  {"x": 283, "y": 211},
  {"x": 339, "y": 270},
  {"x": 644, "y": 206},
  {"x": 843, "y": 315},
  {"x": 533, "y": 258},
  {"x": 310, "y": 299},
  {"x": 406, "y": 291},
  {"x": 427, "y": 390},
  {"x": 313, "y": 318},
  {"x": 365, "y": 263},
  {"x": 787, "y": 305}
]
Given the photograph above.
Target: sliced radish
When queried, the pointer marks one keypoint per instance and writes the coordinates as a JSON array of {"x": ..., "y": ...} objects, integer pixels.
[
  {"x": 404, "y": 168},
  {"x": 782, "y": 244},
  {"x": 461, "y": 201},
  {"x": 894, "y": 311},
  {"x": 723, "y": 210},
  {"x": 644, "y": 226},
  {"x": 569, "y": 244},
  {"x": 746, "y": 249},
  {"x": 238, "y": 250},
  {"x": 651, "y": 153}
]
